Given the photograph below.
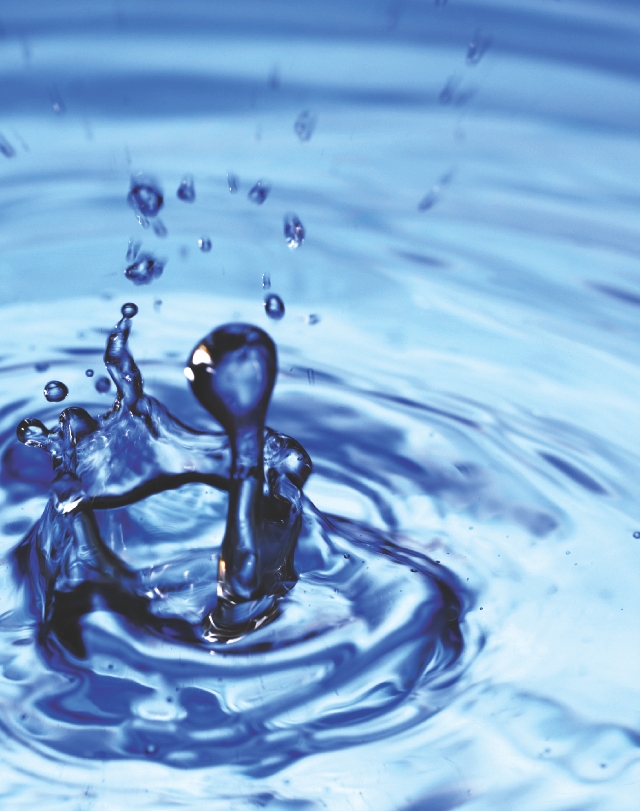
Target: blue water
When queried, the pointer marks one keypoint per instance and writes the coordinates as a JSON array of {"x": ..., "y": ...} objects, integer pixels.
[{"x": 458, "y": 355}]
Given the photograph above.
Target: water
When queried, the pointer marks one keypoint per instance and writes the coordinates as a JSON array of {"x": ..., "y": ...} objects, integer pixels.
[{"x": 463, "y": 375}]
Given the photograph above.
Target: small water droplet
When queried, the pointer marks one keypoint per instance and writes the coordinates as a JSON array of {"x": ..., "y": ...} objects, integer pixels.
[
  {"x": 103, "y": 384},
  {"x": 145, "y": 269},
  {"x": 159, "y": 228},
  {"x": 151, "y": 749},
  {"x": 312, "y": 319},
  {"x": 266, "y": 281},
  {"x": 294, "y": 232},
  {"x": 89, "y": 373},
  {"x": 481, "y": 608},
  {"x": 232, "y": 182},
  {"x": 204, "y": 244},
  {"x": 5, "y": 147},
  {"x": 258, "y": 193},
  {"x": 41, "y": 367},
  {"x": 478, "y": 46},
  {"x": 145, "y": 197},
  {"x": 274, "y": 307},
  {"x": 305, "y": 125},
  {"x": 347, "y": 556},
  {"x": 311, "y": 377},
  {"x": 55, "y": 391},
  {"x": 129, "y": 309},
  {"x": 636, "y": 535},
  {"x": 186, "y": 189},
  {"x": 157, "y": 304},
  {"x": 567, "y": 553}
]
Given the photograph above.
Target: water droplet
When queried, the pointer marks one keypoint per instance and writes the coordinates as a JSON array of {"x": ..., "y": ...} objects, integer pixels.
[
  {"x": 258, "y": 193},
  {"x": 57, "y": 103},
  {"x": 55, "y": 391},
  {"x": 133, "y": 249},
  {"x": 567, "y": 553},
  {"x": 313, "y": 319},
  {"x": 204, "y": 244},
  {"x": 41, "y": 367},
  {"x": 478, "y": 46},
  {"x": 636, "y": 535},
  {"x": 145, "y": 269},
  {"x": 186, "y": 189},
  {"x": 305, "y": 125},
  {"x": 293, "y": 231},
  {"x": 311, "y": 377},
  {"x": 232, "y": 182},
  {"x": 103, "y": 384},
  {"x": 145, "y": 197},
  {"x": 129, "y": 309},
  {"x": 159, "y": 228},
  {"x": 5, "y": 147},
  {"x": 266, "y": 281},
  {"x": 274, "y": 307},
  {"x": 151, "y": 749},
  {"x": 157, "y": 304},
  {"x": 89, "y": 373}
]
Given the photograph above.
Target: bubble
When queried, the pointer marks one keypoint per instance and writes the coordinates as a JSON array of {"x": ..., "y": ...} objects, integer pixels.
[
  {"x": 258, "y": 193},
  {"x": 55, "y": 391},
  {"x": 204, "y": 244},
  {"x": 274, "y": 307},
  {"x": 145, "y": 197},
  {"x": 293, "y": 231},
  {"x": 103, "y": 384},
  {"x": 186, "y": 189},
  {"x": 89, "y": 373},
  {"x": 305, "y": 125},
  {"x": 129, "y": 309},
  {"x": 636, "y": 535},
  {"x": 232, "y": 182},
  {"x": 145, "y": 269}
]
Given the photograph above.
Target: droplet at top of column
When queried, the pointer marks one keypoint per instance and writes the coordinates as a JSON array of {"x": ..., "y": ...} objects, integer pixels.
[{"x": 232, "y": 373}]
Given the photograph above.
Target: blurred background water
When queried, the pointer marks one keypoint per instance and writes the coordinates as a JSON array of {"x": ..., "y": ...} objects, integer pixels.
[{"x": 459, "y": 355}]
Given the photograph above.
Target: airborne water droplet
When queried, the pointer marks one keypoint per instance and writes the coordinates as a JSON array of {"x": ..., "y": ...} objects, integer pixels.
[
  {"x": 103, "y": 384},
  {"x": 145, "y": 269},
  {"x": 266, "y": 281},
  {"x": 5, "y": 147},
  {"x": 478, "y": 46},
  {"x": 204, "y": 244},
  {"x": 89, "y": 373},
  {"x": 274, "y": 307},
  {"x": 186, "y": 189},
  {"x": 294, "y": 231},
  {"x": 145, "y": 197},
  {"x": 55, "y": 391},
  {"x": 636, "y": 535},
  {"x": 129, "y": 309},
  {"x": 305, "y": 125},
  {"x": 258, "y": 193},
  {"x": 232, "y": 182}
]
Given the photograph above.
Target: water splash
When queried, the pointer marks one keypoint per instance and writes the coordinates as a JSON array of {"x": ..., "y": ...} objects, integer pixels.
[{"x": 261, "y": 615}]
